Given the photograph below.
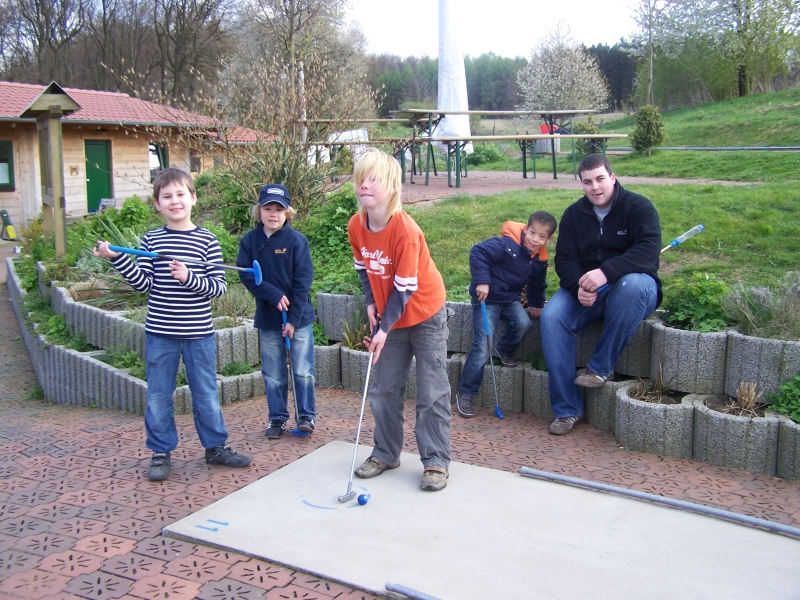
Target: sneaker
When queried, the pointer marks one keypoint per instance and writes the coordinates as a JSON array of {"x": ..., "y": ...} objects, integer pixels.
[
  {"x": 588, "y": 379},
  {"x": 464, "y": 405},
  {"x": 505, "y": 360},
  {"x": 434, "y": 478},
  {"x": 306, "y": 424},
  {"x": 225, "y": 455},
  {"x": 564, "y": 425},
  {"x": 275, "y": 429},
  {"x": 159, "y": 466},
  {"x": 373, "y": 467}
]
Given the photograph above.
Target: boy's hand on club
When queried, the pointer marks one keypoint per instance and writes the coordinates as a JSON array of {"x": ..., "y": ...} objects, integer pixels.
[
  {"x": 375, "y": 344},
  {"x": 288, "y": 331},
  {"x": 534, "y": 312},
  {"x": 482, "y": 291},
  {"x": 373, "y": 316},
  {"x": 179, "y": 271},
  {"x": 102, "y": 250},
  {"x": 283, "y": 304}
]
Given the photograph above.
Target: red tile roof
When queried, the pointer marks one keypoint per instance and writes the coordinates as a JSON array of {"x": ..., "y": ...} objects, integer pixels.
[{"x": 109, "y": 107}]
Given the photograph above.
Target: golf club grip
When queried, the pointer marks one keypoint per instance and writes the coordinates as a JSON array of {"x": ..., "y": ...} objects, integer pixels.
[
  {"x": 133, "y": 251},
  {"x": 691, "y": 233},
  {"x": 485, "y": 318},
  {"x": 288, "y": 342}
]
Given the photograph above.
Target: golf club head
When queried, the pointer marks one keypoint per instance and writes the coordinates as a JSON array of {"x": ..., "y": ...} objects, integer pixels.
[
  {"x": 347, "y": 497},
  {"x": 499, "y": 412},
  {"x": 259, "y": 277}
]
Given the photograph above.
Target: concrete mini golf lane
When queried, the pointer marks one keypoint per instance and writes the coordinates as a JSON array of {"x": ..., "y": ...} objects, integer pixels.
[{"x": 489, "y": 534}]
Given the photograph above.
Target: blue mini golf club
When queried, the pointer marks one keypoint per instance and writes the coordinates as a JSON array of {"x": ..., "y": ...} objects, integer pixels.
[
  {"x": 294, "y": 431},
  {"x": 497, "y": 410},
  {"x": 255, "y": 269}
]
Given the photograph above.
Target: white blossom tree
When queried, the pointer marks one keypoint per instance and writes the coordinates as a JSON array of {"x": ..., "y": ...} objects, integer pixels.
[{"x": 561, "y": 75}]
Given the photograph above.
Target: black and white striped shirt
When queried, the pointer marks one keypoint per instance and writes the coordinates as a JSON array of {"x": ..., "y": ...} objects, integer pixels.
[{"x": 174, "y": 309}]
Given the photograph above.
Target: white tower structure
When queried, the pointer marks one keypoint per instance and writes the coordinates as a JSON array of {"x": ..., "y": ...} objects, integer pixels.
[{"x": 452, "y": 78}]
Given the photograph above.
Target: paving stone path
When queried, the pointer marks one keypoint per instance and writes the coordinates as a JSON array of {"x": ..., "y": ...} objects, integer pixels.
[{"x": 78, "y": 518}]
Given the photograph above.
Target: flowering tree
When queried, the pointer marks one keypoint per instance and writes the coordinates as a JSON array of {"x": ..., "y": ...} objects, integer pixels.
[{"x": 561, "y": 75}]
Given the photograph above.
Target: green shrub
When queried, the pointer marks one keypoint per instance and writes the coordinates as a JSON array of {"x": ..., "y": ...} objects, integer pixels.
[
  {"x": 584, "y": 147},
  {"x": 320, "y": 339},
  {"x": 237, "y": 368},
  {"x": 648, "y": 131},
  {"x": 695, "y": 303},
  {"x": 764, "y": 312},
  {"x": 483, "y": 154},
  {"x": 135, "y": 213},
  {"x": 787, "y": 400}
]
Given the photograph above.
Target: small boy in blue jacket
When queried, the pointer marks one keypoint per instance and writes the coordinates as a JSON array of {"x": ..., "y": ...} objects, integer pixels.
[
  {"x": 285, "y": 259},
  {"x": 500, "y": 268}
]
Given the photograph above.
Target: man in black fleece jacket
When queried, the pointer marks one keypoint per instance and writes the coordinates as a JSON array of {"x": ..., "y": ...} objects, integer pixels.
[{"x": 607, "y": 256}]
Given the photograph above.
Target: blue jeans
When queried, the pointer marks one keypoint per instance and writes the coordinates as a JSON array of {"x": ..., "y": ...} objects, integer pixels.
[
  {"x": 518, "y": 325},
  {"x": 622, "y": 306},
  {"x": 199, "y": 358},
  {"x": 427, "y": 341},
  {"x": 275, "y": 373}
]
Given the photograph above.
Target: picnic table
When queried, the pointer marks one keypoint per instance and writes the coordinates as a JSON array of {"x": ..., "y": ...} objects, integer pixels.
[
  {"x": 455, "y": 147},
  {"x": 426, "y": 120}
]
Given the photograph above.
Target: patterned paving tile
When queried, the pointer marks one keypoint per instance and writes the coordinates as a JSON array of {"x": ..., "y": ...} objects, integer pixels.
[
  {"x": 230, "y": 558},
  {"x": 99, "y": 585},
  {"x": 13, "y": 485},
  {"x": 164, "y": 548},
  {"x": 134, "y": 529},
  {"x": 165, "y": 587},
  {"x": 136, "y": 498},
  {"x": 107, "y": 511},
  {"x": 84, "y": 497},
  {"x": 105, "y": 544},
  {"x": 54, "y": 511},
  {"x": 161, "y": 516},
  {"x": 112, "y": 485},
  {"x": 15, "y": 561},
  {"x": 262, "y": 574},
  {"x": 71, "y": 563},
  {"x": 46, "y": 543},
  {"x": 229, "y": 589},
  {"x": 195, "y": 568},
  {"x": 8, "y": 510},
  {"x": 133, "y": 566},
  {"x": 23, "y": 526},
  {"x": 78, "y": 527},
  {"x": 295, "y": 592},
  {"x": 35, "y": 584}
]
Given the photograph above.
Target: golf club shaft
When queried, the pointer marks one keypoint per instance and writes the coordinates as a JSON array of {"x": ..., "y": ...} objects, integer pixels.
[
  {"x": 290, "y": 377},
  {"x": 187, "y": 261},
  {"x": 491, "y": 361}
]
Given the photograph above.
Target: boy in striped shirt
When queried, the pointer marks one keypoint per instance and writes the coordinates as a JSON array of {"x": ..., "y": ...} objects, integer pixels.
[{"x": 178, "y": 323}]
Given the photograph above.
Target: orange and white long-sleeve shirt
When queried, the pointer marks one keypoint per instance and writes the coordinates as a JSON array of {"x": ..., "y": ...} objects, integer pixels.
[{"x": 397, "y": 271}]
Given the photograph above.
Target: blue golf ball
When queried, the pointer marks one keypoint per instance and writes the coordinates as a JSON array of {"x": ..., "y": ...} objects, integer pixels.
[{"x": 363, "y": 499}]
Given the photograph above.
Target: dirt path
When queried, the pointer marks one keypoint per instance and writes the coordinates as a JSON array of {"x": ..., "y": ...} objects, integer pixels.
[{"x": 486, "y": 183}]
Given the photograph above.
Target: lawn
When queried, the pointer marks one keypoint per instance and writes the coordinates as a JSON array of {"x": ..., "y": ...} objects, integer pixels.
[{"x": 752, "y": 232}]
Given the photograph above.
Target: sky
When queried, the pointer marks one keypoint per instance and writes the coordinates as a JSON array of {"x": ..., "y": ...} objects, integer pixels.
[{"x": 506, "y": 27}]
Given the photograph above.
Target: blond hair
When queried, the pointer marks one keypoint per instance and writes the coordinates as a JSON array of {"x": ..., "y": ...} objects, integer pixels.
[
  {"x": 384, "y": 169},
  {"x": 256, "y": 212}
]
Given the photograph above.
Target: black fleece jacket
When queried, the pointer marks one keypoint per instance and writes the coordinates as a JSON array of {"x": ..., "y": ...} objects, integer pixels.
[
  {"x": 285, "y": 261},
  {"x": 627, "y": 241}
]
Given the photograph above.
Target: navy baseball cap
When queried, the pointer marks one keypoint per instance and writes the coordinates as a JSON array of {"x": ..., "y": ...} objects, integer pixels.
[{"x": 275, "y": 192}]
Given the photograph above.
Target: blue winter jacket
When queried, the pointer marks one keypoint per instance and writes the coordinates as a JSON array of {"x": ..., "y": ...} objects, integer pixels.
[
  {"x": 507, "y": 266},
  {"x": 285, "y": 261}
]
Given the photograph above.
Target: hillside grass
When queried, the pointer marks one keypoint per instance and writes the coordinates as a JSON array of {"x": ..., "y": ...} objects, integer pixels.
[{"x": 752, "y": 233}]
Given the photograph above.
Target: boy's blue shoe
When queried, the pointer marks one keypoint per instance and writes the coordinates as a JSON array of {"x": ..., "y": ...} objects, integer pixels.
[
  {"x": 225, "y": 455},
  {"x": 306, "y": 424},
  {"x": 159, "y": 466},
  {"x": 275, "y": 429}
]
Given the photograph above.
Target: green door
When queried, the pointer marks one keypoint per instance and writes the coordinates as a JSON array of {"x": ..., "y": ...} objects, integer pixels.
[{"x": 98, "y": 172}]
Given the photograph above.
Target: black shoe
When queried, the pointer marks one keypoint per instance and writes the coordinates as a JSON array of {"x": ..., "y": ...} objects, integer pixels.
[
  {"x": 306, "y": 424},
  {"x": 225, "y": 455},
  {"x": 275, "y": 429},
  {"x": 505, "y": 359},
  {"x": 159, "y": 466},
  {"x": 464, "y": 405}
]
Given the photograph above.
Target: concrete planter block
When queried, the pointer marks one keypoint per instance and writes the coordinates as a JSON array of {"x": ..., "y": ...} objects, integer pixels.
[
  {"x": 453, "y": 374},
  {"x": 459, "y": 325},
  {"x": 509, "y": 387},
  {"x": 635, "y": 359},
  {"x": 328, "y": 366},
  {"x": 15, "y": 290},
  {"x": 536, "y": 393},
  {"x": 531, "y": 343},
  {"x": 224, "y": 342},
  {"x": 239, "y": 343},
  {"x": 259, "y": 387},
  {"x": 747, "y": 443},
  {"x": 662, "y": 429},
  {"x": 600, "y": 407},
  {"x": 44, "y": 281},
  {"x": 354, "y": 369},
  {"x": 690, "y": 361},
  {"x": 228, "y": 389},
  {"x": 788, "y": 448},
  {"x": 252, "y": 345},
  {"x": 585, "y": 342},
  {"x": 57, "y": 296},
  {"x": 765, "y": 362},
  {"x": 334, "y": 310},
  {"x": 179, "y": 400}
]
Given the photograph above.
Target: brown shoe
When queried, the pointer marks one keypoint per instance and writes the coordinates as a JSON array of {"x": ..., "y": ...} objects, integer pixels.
[
  {"x": 588, "y": 379},
  {"x": 434, "y": 478},
  {"x": 373, "y": 467},
  {"x": 564, "y": 425}
]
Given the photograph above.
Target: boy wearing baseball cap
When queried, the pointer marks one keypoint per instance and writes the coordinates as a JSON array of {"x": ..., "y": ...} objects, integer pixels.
[{"x": 285, "y": 259}]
